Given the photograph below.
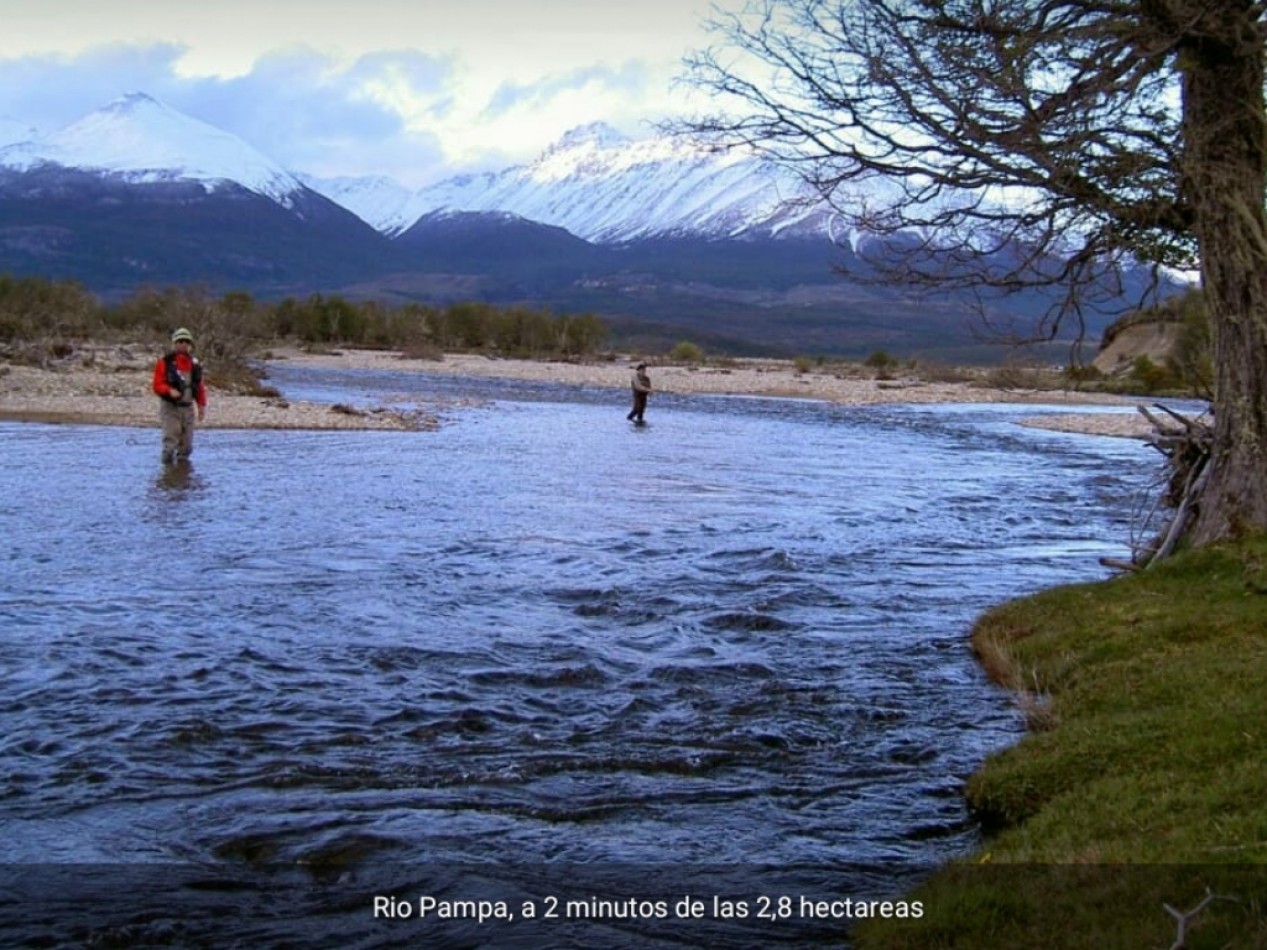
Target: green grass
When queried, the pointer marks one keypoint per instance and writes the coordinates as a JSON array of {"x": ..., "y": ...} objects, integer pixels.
[{"x": 1143, "y": 781}]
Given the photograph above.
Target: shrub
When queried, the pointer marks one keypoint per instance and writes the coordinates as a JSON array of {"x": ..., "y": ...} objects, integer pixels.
[
  {"x": 1149, "y": 376},
  {"x": 422, "y": 351},
  {"x": 1078, "y": 375},
  {"x": 1014, "y": 376},
  {"x": 686, "y": 352},
  {"x": 880, "y": 360},
  {"x": 931, "y": 371}
]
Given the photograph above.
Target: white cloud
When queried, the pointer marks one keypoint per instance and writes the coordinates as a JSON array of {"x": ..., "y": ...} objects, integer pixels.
[{"x": 409, "y": 88}]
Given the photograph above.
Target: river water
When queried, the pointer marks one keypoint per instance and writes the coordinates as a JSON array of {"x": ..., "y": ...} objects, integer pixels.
[{"x": 536, "y": 649}]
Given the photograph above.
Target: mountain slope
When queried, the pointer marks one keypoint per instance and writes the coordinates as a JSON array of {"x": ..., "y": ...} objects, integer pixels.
[
  {"x": 503, "y": 246},
  {"x": 607, "y": 188},
  {"x": 376, "y": 200},
  {"x": 112, "y": 236},
  {"x": 137, "y": 192},
  {"x": 139, "y": 140}
]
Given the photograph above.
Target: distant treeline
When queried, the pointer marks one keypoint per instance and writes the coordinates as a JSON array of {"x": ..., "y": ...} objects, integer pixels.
[{"x": 42, "y": 312}]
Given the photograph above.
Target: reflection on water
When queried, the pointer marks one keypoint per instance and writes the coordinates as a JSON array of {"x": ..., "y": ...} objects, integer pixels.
[
  {"x": 178, "y": 480},
  {"x": 535, "y": 638}
]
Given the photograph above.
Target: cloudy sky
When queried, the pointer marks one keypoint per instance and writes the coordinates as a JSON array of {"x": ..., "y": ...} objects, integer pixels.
[{"x": 412, "y": 89}]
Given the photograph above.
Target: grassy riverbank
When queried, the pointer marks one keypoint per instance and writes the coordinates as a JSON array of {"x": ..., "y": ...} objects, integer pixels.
[{"x": 1144, "y": 780}]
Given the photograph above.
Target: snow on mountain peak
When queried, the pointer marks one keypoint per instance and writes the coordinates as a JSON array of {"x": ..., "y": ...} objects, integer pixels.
[
  {"x": 595, "y": 134},
  {"x": 604, "y": 186},
  {"x": 598, "y": 150},
  {"x": 140, "y": 139},
  {"x": 374, "y": 199}
]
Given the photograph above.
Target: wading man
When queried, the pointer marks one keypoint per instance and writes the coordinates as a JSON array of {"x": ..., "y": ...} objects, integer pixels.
[
  {"x": 641, "y": 386},
  {"x": 180, "y": 389}
]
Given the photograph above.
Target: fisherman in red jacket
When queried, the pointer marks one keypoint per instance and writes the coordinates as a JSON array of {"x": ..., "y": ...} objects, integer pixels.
[{"x": 178, "y": 384}]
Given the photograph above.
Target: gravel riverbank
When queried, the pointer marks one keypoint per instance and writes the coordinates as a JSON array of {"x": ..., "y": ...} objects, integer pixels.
[{"x": 109, "y": 385}]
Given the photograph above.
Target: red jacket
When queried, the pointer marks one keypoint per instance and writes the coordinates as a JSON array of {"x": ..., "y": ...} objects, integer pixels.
[{"x": 176, "y": 375}]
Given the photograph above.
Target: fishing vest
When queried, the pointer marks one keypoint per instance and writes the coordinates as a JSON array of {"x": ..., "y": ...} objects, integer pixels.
[{"x": 177, "y": 381}]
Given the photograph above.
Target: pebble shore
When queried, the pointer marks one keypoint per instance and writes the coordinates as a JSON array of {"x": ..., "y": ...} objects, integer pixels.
[{"x": 110, "y": 386}]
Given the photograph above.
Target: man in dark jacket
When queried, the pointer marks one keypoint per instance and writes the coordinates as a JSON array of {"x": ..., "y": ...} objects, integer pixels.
[{"x": 641, "y": 386}]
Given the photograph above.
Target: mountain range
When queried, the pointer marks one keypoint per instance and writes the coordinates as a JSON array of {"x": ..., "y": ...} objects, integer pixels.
[
  {"x": 664, "y": 240},
  {"x": 606, "y": 188}
]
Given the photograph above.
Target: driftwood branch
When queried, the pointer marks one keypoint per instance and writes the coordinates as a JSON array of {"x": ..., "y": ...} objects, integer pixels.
[
  {"x": 1186, "y": 443},
  {"x": 1197, "y": 479},
  {"x": 1190, "y": 426},
  {"x": 1118, "y": 564}
]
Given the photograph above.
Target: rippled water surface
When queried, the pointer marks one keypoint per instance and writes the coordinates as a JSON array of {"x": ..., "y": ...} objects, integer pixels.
[{"x": 736, "y": 635}]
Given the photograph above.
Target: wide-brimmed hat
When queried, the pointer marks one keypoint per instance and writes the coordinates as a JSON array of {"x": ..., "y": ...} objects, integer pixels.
[{"x": 182, "y": 334}]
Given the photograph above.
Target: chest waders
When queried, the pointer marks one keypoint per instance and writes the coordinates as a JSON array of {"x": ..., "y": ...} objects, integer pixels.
[{"x": 177, "y": 413}]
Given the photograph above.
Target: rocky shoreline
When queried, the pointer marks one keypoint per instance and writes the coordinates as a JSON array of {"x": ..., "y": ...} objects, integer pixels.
[{"x": 109, "y": 385}]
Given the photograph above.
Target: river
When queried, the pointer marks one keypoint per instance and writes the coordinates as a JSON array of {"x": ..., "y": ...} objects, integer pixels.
[{"x": 724, "y": 654}]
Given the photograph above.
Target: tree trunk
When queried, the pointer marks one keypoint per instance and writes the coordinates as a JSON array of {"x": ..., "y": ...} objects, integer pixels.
[{"x": 1225, "y": 142}]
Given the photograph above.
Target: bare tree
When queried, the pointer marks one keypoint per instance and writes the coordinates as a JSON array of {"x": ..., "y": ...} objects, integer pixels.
[{"x": 1023, "y": 143}]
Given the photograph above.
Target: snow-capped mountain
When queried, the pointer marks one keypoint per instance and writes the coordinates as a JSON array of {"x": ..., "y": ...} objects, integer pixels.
[
  {"x": 605, "y": 187},
  {"x": 140, "y": 140},
  {"x": 137, "y": 191},
  {"x": 595, "y": 182},
  {"x": 376, "y": 200}
]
